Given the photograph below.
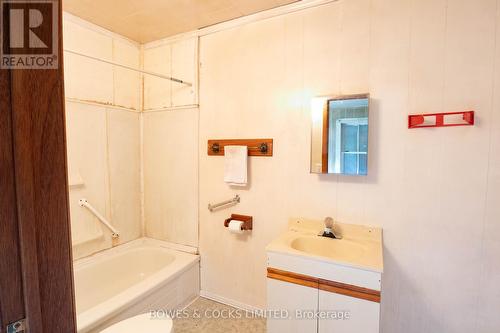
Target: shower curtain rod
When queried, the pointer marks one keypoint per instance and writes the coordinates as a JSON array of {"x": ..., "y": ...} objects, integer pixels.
[{"x": 131, "y": 68}]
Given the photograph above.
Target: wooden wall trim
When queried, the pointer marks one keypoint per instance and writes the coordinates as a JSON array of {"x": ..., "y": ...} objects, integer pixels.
[
  {"x": 252, "y": 144},
  {"x": 39, "y": 150},
  {"x": 11, "y": 284},
  {"x": 325, "y": 285},
  {"x": 25, "y": 189},
  {"x": 344, "y": 97}
]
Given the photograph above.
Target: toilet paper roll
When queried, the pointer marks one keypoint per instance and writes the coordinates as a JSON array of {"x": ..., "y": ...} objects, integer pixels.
[{"x": 235, "y": 226}]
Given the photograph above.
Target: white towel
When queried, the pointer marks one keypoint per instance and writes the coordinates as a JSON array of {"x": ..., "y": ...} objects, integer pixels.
[{"x": 235, "y": 165}]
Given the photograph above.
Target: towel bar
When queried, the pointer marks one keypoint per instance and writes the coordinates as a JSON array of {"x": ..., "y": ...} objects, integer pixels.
[
  {"x": 234, "y": 200},
  {"x": 256, "y": 147}
]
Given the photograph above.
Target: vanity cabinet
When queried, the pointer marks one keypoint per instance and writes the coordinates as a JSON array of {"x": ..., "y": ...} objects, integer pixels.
[
  {"x": 324, "y": 285},
  {"x": 363, "y": 314},
  {"x": 306, "y": 308},
  {"x": 284, "y": 306}
]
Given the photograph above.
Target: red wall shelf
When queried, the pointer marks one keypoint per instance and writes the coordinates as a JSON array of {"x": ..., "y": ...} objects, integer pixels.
[{"x": 464, "y": 118}]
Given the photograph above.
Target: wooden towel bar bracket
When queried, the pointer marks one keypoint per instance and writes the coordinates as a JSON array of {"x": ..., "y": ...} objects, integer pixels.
[{"x": 256, "y": 147}]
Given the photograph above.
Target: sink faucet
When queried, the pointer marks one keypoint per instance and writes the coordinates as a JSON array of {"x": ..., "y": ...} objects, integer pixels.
[{"x": 329, "y": 229}]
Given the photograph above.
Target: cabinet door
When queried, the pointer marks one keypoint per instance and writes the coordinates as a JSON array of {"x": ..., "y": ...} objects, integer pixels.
[
  {"x": 291, "y": 298},
  {"x": 363, "y": 315}
]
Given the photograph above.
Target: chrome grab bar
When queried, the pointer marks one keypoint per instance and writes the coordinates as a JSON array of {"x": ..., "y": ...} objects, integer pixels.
[
  {"x": 234, "y": 200},
  {"x": 102, "y": 219}
]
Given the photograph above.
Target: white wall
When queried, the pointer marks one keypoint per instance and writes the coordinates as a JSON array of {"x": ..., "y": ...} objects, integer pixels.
[
  {"x": 434, "y": 191},
  {"x": 102, "y": 116},
  {"x": 170, "y": 127},
  {"x": 171, "y": 175},
  {"x": 176, "y": 59},
  {"x": 104, "y": 105}
]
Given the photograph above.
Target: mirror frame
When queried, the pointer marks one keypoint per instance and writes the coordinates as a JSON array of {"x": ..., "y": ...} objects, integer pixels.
[{"x": 326, "y": 129}]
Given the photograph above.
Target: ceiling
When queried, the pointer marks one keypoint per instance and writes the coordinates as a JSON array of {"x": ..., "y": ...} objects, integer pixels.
[{"x": 148, "y": 20}]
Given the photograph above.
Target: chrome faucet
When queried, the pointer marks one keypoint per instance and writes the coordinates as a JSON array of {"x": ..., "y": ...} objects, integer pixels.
[{"x": 330, "y": 229}]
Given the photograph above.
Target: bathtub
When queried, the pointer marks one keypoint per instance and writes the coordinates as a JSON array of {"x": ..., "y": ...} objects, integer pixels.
[{"x": 131, "y": 279}]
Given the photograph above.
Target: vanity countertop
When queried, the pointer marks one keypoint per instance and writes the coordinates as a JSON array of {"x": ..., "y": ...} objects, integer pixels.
[{"x": 360, "y": 246}]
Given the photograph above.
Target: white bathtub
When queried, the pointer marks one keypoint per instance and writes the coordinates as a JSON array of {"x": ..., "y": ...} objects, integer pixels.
[{"x": 131, "y": 279}]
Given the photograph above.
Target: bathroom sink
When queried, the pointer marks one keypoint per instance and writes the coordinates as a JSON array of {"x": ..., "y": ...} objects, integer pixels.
[
  {"x": 328, "y": 247},
  {"x": 360, "y": 246}
]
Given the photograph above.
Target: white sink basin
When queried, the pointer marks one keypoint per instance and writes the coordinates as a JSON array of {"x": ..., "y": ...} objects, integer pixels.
[
  {"x": 329, "y": 247},
  {"x": 360, "y": 246}
]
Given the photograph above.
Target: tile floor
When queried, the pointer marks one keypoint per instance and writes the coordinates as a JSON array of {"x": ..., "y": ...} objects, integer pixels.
[{"x": 206, "y": 316}]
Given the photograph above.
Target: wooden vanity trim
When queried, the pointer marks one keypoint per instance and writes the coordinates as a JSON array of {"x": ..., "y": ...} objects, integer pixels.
[
  {"x": 290, "y": 277},
  {"x": 325, "y": 285},
  {"x": 350, "y": 290}
]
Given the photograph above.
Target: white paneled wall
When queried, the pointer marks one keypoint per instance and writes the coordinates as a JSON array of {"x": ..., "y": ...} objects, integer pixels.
[
  {"x": 127, "y": 83},
  {"x": 157, "y": 91},
  {"x": 89, "y": 80},
  {"x": 171, "y": 175},
  {"x": 104, "y": 142},
  {"x": 434, "y": 191},
  {"x": 178, "y": 59},
  {"x": 124, "y": 172},
  {"x": 170, "y": 120},
  {"x": 86, "y": 135},
  {"x": 185, "y": 67},
  {"x": 103, "y": 135}
]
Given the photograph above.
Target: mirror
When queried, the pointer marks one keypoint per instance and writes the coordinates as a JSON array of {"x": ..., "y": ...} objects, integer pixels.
[{"x": 339, "y": 142}]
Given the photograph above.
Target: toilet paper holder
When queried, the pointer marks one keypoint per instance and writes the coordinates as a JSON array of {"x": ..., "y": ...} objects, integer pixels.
[{"x": 247, "y": 221}]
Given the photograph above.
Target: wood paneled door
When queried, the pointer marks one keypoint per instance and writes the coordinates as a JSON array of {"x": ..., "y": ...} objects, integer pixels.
[{"x": 36, "y": 279}]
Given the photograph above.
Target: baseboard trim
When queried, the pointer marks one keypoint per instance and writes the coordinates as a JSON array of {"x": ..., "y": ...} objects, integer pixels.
[
  {"x": 230, "y": 302},
  {"x": 189, "y": 303}
]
